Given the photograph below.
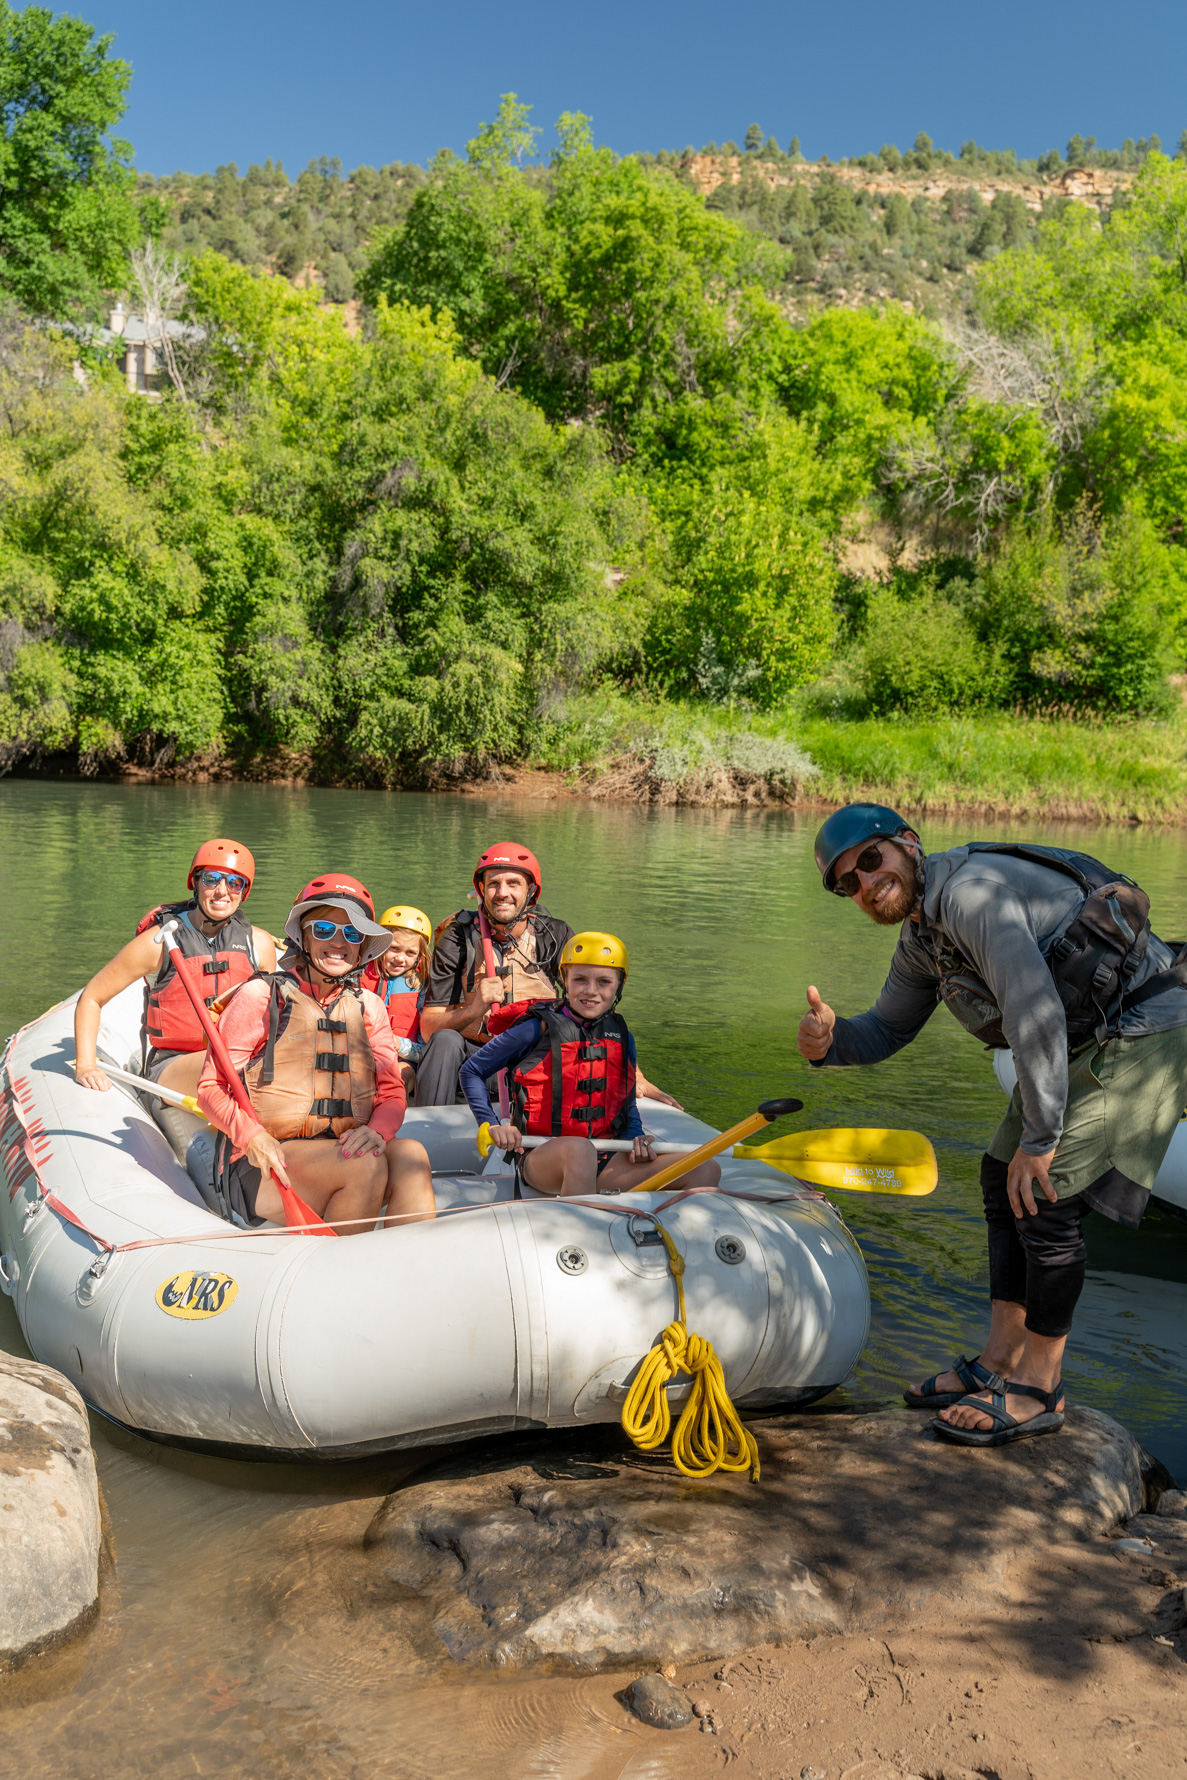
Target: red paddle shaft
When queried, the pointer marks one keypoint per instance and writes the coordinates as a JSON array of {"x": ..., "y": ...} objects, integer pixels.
[
  {"x": 297, "y": 1215},
  {"x": 488, "y": 958}
]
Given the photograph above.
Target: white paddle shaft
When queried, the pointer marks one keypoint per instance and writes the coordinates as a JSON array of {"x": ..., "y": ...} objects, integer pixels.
[
  {"x": 626, "y": 1144},
  {"x": 170, "y": 1096}
]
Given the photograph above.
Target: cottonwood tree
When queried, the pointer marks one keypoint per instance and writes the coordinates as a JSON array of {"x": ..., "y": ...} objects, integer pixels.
[{"x": 68, "y": 214}]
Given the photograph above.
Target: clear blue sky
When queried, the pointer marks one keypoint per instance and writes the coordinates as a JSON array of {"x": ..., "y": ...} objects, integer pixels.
[{"x": 380, "y": 80}]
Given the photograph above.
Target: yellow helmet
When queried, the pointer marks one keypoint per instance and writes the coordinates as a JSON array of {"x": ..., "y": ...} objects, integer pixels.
[
  {"x": 415, "y": 920},
  {"x": 595, "y": 948}
]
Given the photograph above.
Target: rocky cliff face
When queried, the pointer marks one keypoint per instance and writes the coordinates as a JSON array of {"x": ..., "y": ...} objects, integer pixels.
[{"x": 1093, "y": 186}]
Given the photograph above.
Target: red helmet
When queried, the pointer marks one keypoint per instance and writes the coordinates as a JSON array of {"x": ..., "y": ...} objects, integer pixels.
[
  {"x": 337, "y": 887},
  {"x": 223, "y": 856},
  {"x": 512, "y": 857}
]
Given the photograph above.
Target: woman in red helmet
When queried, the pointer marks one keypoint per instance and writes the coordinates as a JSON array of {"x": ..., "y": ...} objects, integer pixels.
[
  {"x": 316, "y": 1052},
  {"x": 221, "y": 948}
]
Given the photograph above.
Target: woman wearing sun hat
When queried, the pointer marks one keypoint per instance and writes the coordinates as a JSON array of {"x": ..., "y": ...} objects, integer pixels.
[{"x": 316, "y": 1053}]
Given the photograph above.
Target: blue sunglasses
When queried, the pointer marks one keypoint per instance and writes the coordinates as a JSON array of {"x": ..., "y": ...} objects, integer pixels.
[
  {"x": 327, "y": 930},
  {"x": 235, "y": 884}
]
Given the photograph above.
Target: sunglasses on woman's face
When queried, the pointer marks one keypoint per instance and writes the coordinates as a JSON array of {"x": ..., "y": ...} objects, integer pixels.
[
  {"x": 210, "y": 880},
  {"x": 327, "y": 930},
  {"x": 848, "y": 883}
]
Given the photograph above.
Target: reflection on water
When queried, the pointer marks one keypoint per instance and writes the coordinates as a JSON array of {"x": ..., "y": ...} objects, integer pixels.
[{"x": 240, "y": 1634}]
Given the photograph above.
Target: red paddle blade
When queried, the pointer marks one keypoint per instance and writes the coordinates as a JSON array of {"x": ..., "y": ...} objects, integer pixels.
[{"x": 298, "y": 1215}]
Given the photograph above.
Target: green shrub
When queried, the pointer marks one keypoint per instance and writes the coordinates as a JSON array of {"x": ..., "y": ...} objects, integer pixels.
[
  {"x": 1077, "y": 611},
  {"x": 922, "y": 656}
]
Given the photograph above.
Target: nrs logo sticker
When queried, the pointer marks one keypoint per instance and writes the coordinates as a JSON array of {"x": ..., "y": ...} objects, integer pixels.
[{"x": 196, "y": 1295}]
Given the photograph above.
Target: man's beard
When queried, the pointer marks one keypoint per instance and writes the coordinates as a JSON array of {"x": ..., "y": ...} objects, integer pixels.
[{"x": 905, "y": 898}]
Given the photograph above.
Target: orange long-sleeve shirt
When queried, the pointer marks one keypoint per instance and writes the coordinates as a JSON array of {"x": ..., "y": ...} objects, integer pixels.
[{"x": 243, "y": 1029}]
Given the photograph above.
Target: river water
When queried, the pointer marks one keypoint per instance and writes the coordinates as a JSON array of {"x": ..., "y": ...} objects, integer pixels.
[{"x": 230, "y": 1640}]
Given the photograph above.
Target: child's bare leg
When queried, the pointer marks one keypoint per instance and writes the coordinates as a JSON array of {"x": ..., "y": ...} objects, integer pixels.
[
  {"x": 622, "y": 1172},
  {"x": 567, "y": 1166},
  {"x": 409, "y": 1198}
]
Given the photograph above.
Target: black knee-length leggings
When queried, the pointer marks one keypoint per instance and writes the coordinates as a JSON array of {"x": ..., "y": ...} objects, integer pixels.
[{"x": 1037, "y": 1261}]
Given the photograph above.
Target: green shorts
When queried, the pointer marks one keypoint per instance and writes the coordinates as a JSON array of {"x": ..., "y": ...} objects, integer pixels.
[{"x": 1124, "y": 1101}]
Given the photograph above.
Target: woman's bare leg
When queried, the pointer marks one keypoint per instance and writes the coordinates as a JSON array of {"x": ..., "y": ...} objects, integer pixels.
[
  {"x": 181, "y": 1073},
  {"x": 409, "y": 1198},
  {"x": 346, "y": 1189}
]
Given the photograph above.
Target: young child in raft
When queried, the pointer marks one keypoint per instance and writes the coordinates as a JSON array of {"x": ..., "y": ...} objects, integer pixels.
[
  {"x": 400, "y": 980},
  {"x": 583, "y": 1044}
]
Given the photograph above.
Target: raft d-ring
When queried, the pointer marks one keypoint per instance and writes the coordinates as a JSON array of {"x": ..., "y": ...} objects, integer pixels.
[
  {"x": 572, "y": 1259},
  {"x": 92, "y": 1279},
  {"x": 730, "y": 1249},
  {"x": 10, "y": 1273}
]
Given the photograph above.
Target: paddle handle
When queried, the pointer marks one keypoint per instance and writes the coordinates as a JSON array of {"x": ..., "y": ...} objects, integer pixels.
[
  {"x": 296, "y": 1213},
  {"x": 488, "y": 959}
]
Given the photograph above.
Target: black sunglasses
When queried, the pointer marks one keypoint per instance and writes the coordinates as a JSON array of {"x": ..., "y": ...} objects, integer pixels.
[{"x": 848, "y": 884}]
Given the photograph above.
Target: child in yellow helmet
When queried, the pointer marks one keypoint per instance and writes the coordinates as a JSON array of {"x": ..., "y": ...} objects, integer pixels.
[
  {"x": 572, "y": 1070},
  {"x": 399, "y": 979}
]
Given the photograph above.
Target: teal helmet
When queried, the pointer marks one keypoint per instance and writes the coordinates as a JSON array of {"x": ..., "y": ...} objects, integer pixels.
[{"x": 848, "y": 826}]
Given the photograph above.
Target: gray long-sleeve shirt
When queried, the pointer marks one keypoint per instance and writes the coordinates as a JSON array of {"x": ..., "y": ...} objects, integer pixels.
[{"x": 1003, "y": 915}]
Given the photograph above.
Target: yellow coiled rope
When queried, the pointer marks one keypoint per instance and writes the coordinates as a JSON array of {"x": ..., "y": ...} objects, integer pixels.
[{"x": 709, "y": 1435}]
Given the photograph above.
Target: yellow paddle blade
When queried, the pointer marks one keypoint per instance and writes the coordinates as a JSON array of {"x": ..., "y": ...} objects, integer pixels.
[{"x": 853, "y": 1161}]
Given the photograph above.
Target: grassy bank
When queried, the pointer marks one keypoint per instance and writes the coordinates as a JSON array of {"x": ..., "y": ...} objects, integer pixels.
[{"x": 614, "y": 747}]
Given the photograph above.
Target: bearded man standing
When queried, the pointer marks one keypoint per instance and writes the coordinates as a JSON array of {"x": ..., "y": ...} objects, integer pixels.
[{"x": 1045, "y": 951}]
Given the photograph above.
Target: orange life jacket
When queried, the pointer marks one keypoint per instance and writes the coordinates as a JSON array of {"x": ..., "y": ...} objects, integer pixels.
[
  {"x": 578, "y": 1080},
  {"x": 314, "y": 1073},
  {"x": 215, "y": 966}
]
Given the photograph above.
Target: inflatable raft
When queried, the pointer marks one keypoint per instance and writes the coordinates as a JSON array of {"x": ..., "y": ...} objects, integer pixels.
[
  {"x": 501, "y": 1314},
  {"x": 1170, "y": 1185}
]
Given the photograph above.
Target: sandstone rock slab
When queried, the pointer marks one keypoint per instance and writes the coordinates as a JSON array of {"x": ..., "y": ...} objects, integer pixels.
[
  {"x": 50, "y": 1527},
  {"x": 574, "y": 1548}
]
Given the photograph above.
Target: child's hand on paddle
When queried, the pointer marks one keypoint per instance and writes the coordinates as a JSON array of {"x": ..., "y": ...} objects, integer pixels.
[
  {"x": 506, "y": 1137},
  {"x": 815, "y": 1037}
]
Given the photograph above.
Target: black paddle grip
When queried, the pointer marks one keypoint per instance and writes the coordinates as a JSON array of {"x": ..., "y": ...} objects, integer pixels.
[{"x": 775, "y": 1109}]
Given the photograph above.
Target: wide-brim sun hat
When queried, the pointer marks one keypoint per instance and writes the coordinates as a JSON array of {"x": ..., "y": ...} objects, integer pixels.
[{"x": 336, "y": 890}]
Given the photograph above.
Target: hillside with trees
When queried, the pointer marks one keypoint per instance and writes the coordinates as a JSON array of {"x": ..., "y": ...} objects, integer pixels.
[{"x": 602, "y": 474}]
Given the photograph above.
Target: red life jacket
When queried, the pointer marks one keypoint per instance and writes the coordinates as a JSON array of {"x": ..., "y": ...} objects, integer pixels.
[
  {"x": 578, "y": 1080},
  {"x": 218, "y": 964},
  {"x": 402, "y": 1003}
]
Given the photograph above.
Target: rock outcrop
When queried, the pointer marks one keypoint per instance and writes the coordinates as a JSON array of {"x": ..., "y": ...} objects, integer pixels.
[
  {"x": 51, "y": 1534},
  {"x": 575, "y": 1548}
]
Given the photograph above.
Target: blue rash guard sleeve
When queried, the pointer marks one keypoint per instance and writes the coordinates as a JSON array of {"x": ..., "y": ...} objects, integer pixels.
[
  {"x": 503, "y": 1053},
  {"x": 495, "y": 1054}
]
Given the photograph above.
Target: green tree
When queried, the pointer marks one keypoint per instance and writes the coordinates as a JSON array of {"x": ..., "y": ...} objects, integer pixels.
[{"x": 68, "y": 214}]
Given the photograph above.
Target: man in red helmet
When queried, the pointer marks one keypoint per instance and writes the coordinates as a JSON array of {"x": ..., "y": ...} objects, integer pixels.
[
  {"x": 527, "y": 943},
  {"x": 221, "y": 948}
]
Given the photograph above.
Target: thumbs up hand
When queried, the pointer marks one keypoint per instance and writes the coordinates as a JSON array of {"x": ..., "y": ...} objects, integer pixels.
[{"x": 815, "y": 1035}]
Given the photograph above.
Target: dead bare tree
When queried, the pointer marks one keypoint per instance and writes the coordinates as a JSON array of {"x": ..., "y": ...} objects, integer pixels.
[{"x": 159, "y": 281}]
